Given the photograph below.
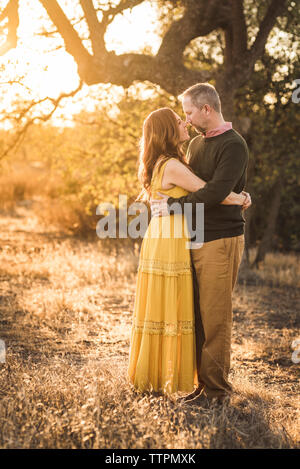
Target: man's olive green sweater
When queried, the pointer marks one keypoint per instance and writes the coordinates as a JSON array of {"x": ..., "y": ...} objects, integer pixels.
[{"x": 222, "y": 162}]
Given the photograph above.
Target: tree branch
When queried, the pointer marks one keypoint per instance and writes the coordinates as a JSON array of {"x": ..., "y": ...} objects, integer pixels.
[
  {"x": 239, "y": 60},
  {"x": 166, "y": 69},
  {"x": 235, "y": 36},
  {"x": 275, "y": 9},
  {"x": 96, "y": 29},
  {"x": 54, "y": 32},
  {"x": 11, "y": 12},
  {"x": 122, "y": 69},
  {"x": 109, "y": 14},
  {"x": 239, "y": 29},
  {"x": 45, "y": 117},
  {"x": 199, "y": 19},
  {"x": 71, "y": 38}
]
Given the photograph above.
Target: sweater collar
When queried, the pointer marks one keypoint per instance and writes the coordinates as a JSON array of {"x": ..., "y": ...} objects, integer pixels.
[{"x": 218, "y": 130}]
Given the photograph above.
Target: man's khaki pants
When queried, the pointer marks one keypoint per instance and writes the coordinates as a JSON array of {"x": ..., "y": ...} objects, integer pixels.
[{"x": 216, "y": 266}]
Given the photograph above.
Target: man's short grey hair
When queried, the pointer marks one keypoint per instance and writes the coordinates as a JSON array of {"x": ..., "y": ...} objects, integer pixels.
[{"x": 203, "y": 93}]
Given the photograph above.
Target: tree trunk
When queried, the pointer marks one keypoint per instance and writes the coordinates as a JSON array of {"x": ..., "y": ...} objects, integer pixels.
[
  {"x": 226, "y": 89},
  {"x": 266, "y": 242}
]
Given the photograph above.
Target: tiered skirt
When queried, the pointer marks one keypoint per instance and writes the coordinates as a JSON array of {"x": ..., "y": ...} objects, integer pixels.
[{"x": 162, "y": 349}]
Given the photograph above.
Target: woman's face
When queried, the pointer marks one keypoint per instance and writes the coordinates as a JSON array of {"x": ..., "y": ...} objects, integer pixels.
[{"x": 183, "y": 133}]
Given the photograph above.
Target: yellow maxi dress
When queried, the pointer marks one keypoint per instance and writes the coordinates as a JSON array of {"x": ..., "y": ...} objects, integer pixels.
[{"x": 163, "y": 348}]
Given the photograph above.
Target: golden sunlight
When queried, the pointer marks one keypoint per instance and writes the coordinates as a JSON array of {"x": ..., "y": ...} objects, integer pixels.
[
  {"x": 48, "y": 70},
  {"x": 134, "y": 30}
]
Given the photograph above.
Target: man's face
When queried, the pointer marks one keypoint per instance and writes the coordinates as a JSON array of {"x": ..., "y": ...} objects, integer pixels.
[{"x": 194, "y": 115}]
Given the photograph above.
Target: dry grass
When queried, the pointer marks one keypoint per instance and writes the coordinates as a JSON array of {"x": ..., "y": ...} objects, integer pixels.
[
  {"x": 33, "y": 185},
  {"x": 278, "y": 269},
  {"x": 19, "y": 183},
  {"x": 65, "y": 315}
]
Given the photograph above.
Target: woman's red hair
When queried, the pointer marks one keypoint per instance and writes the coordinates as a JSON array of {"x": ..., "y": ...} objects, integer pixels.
[{"x": 161, "y": 138}]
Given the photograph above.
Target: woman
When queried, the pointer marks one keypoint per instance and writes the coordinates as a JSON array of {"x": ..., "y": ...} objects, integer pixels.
[{"x": 162, "y": 350}]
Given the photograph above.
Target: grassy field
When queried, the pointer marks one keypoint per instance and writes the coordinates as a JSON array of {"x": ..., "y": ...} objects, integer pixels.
[{"x": 65, "y": 317}]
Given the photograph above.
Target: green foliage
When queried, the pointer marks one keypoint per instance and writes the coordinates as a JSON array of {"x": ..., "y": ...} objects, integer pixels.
[{"x": 273, "y": 142}]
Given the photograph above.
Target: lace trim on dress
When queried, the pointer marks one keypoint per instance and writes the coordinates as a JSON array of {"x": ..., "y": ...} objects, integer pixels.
[
  {"x": 163, "y": 328},
  {"x": 156, "y": 266}
]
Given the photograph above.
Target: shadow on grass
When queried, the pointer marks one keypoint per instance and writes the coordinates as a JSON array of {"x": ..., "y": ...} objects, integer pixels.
[
  {"x": 244, "y": 423},
  {"x": 29, "y": 341}
]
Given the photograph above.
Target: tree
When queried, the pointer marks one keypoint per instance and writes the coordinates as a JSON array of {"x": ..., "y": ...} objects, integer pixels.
[
  {"x": 201, "y": 40},
  {"x": 241, "y": 47},
  {"x": 274, "y": 166}
]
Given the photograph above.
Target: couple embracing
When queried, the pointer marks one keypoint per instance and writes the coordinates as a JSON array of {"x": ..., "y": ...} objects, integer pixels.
[{"x": 182, "y": 319}]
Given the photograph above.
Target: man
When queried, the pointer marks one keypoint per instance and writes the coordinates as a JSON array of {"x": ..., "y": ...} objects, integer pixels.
[{"x": 220, "y": 157}]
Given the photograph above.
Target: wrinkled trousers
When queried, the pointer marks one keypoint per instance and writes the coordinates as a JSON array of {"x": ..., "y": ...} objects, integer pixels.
[{"x": 216, "y": 266}]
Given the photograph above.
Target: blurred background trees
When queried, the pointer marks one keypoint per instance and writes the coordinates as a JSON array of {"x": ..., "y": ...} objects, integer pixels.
[{"x": 247, "y": 49}]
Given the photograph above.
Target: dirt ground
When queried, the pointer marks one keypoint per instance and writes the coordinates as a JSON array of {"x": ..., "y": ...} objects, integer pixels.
[{"x": 65, "y": 318}]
